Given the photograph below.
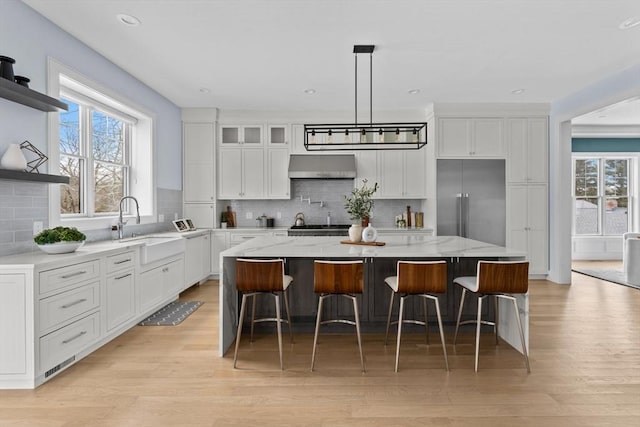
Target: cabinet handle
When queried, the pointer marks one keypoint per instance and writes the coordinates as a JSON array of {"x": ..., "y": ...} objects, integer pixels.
[
  {"x": 71, "y": 304},
  {"x": 122, "y": 261},
  {"x": 164, "y": 270},
  {"x": 77, "y": 273},
  {"x": 122, "y": 277},
  {"x": 75, "y": 337}
]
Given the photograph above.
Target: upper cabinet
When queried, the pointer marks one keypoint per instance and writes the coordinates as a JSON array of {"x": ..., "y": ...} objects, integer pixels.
[
  {"x": 278, "y": 135},
  {"x": 297, "y": 140},
  {"x": 471, "y": 137},
  {"x": 250, "y": 135},
  {"x": 528, "y": 140},
  {"x": 402, "y": 174},
  {"x": 199, "y": 162},
  {"x": 241, "y": 173}
]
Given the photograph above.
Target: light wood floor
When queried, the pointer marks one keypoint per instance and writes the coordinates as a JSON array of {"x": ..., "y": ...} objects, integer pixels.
[{"x": 585, "y": 371}]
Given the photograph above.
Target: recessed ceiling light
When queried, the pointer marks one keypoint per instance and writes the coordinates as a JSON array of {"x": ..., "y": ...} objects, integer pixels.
[
  {"x": 413, "y": 91},
  {"x": 517, "y": 91},
  {"x": 205, "y": 90},
  {"x": 309, "y": 91},
  {"x": 629, "y": 23},
  {"x": 128, "y": 19}
]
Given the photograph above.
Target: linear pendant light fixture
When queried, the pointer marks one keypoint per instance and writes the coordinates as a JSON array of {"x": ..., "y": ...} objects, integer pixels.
[{"x": 365, "y": 136}]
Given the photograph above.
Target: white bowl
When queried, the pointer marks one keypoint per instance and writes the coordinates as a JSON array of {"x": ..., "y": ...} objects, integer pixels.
[{"x": 61, "y": 247}]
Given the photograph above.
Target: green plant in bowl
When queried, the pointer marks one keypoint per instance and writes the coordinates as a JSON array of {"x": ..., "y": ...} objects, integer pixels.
[{"x": 60, "y": 240}]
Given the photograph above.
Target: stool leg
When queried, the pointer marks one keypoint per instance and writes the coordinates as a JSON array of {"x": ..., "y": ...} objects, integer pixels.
[
  {"x": 357, "y": 316},
  {"x": 426, "y": 318},
  {"x": 478, "y": 324},
  {"x": 496, "y": 316},
  {"x": 279, "y": 328},
  {"x": 286, "y": 307},
  {"x": 393, "y": 294},
  {"x": 444, "y": 347},
  {"x": 455, "y": 335},
  {"x": 400, "y": 316},
  {"x": 242, "y": 307},
  {"x": 315, "y": 336},
  {"x": 524, "y": 347},
  {"x": 253, "y": 313}
]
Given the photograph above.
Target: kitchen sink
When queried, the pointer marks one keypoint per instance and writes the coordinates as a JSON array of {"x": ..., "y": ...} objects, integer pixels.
[{"x": 155, "y": 248}]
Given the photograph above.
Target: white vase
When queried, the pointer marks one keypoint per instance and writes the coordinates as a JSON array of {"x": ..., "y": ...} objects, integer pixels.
[
  {"x": 13, "y": 158},
  {"x": 355, "y": 232},
  {"x": 369, "y": 234}
]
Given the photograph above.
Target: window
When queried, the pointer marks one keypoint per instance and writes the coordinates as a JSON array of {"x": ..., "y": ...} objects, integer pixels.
[
  {"x": 601, "y": 196},
  {"x": 96, "y": 157},
  {"x": 104, "y": 145}
]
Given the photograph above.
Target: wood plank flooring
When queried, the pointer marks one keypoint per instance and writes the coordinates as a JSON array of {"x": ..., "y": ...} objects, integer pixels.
[{"x": 585, "y": 371}]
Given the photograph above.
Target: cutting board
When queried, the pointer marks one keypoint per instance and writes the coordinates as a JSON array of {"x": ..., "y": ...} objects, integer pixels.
[{"x": 349, "y": 242}]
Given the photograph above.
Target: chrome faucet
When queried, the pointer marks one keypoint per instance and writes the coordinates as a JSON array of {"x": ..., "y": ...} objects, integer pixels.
[{"x": 121, "y": 221}]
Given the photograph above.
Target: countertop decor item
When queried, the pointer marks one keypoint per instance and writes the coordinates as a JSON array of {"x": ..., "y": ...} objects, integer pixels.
[
  {"x": 369, "y": 234},
  {"x": 365, "y": 136},
  {"x": 36, "y": 157},
  {"x": 13, "y": 158},
  {"x": 360, "y": 204},
  {"x": 60, "y": 240}
]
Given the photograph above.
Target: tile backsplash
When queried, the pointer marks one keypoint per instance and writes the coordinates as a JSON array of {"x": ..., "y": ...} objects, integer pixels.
[
  {"x": 22, "y": 203},
  {"x": 330, "y": 192}
]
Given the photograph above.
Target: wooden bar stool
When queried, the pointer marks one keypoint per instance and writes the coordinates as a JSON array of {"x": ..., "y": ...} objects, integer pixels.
[
  {"x": 254, "y": 277},
  {"x": 422, "y": 279},
  {"x": 338, "y": 278},
  {"x": 500, "y": 279}
]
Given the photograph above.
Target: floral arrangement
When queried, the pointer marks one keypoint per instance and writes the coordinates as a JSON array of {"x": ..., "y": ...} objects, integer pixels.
[{"x": 360, "y": 204}]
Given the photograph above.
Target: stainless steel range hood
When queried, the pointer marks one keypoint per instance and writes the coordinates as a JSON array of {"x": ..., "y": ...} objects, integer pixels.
[{"x": 322, "y": 166}]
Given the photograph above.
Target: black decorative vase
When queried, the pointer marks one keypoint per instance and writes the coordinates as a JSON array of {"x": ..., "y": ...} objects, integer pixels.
[
  {"x": 22, "y": 81},
  {"x": 6, "y": 67}
]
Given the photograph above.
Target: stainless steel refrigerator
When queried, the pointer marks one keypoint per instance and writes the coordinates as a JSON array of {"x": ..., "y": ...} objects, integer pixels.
[{"x": 471, "y": 199}]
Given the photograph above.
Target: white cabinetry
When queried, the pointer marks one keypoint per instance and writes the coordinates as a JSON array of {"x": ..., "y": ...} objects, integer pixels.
[
  {"x": 197, "y": 259},
  {"x": 527, "y": 224},
  {"x": 242, "y": 173},
  {"x": 241, "y": 134},
  {"x": 527, "y": 147},
  {"x": 203, "y": 215},
  {"x": 120, "y": 303},
  {"x": 297, "y": 140},
  {"x": 199, "y": 162},
  {"x": 278, "y": 135},
  {"x": 402, "y": 174},
  {"x": 161, "y": 282},
  {"x": 277, "y": 171},
  {"x": 470, "y": 137},
  {"x": 367, "y": 168}
]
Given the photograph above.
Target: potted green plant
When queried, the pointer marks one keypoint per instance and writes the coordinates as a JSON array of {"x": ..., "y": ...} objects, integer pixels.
[
  {"x": 59, "y": 240},
  {"x": 359, "y": 206}
]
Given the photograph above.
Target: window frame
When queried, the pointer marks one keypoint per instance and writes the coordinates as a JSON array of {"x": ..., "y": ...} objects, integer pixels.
[
  {"x": 141, "y": 176},
  {"x": 601, "y": 196}
]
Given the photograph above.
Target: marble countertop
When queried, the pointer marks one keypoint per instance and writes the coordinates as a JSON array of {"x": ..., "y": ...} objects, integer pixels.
[
  {"x": 395, "y": 246},
  {"x": 87, "y": 251}
]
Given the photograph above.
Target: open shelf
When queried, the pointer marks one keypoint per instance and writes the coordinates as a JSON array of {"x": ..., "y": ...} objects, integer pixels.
[
  {"x": 25, "y": 96},
  {"x": 28, "y": 176}
]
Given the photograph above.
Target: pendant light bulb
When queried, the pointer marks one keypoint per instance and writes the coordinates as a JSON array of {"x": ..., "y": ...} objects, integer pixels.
[
  {"x": 347, "y": 138},
  {"x": 313, "y": 136},
  {"x": 363, "y": 136},
  {"x": 415, "y": 135},
  {"x": 380, "y": 135},
  {"x": 329, "y": 137},
  {"x": 397, "y": 135}
]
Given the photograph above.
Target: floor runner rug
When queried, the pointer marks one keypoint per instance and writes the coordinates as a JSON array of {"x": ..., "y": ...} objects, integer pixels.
[
  {"x": 608, "y": 274},
  {"x": 172, "y": 314}
]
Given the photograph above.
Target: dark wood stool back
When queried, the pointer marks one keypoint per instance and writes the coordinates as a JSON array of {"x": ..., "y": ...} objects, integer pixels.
[{"x": 338, "y": 277}]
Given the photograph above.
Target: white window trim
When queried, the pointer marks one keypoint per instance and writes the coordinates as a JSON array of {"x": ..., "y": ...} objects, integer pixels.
[
  {"x": 633, "y": 189},
  {"x": 144, "y": 190}
]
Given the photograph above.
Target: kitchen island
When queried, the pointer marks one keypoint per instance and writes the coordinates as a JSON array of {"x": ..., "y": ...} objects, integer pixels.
[{"x": 460, "y": 253}]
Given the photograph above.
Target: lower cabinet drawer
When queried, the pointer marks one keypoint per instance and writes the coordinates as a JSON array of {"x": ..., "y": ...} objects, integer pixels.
[
  {"x": 59, "y": 308},
  {"x": 58, "y": 346},
  {"x": 59, "y": 278}
]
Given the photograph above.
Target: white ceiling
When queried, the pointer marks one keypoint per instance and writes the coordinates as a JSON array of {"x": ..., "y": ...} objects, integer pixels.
[{"x": 263, "y": 54}]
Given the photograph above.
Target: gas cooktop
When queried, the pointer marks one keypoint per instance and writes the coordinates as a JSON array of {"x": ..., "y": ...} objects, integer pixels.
[{"x": 320, "y": 227}]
